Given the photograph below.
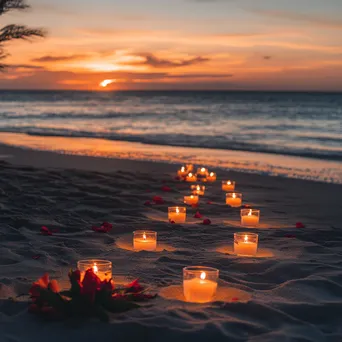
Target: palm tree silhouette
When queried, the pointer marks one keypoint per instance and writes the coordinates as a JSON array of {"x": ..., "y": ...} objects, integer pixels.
[{"x": 11, "y": 32}]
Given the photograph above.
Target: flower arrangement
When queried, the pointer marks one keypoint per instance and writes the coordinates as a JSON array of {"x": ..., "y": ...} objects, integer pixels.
[{"x": 90, "y": 297}]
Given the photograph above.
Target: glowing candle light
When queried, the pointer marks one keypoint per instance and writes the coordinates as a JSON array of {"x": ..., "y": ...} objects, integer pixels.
[
  {"x": 234, "y": 199},
  {"x": 191, "y": 177},
  {"x": 228, "y": 186},
  {"x": 199, "y": 284},
  {"x": 191, "y": 200},
  {"x": 211, "y": 177},
  {"x": 182, "y": 172},
  {"x": 102, "y": 268},
  {"x": 198, "y": 190},
  {"x": 144, "y": 240},
  {"x": 202, "y": 171},
  {"x": 245, "y": 244},
  {"x": 250, "y": 217},
  {"x": 177, "y": 214}
]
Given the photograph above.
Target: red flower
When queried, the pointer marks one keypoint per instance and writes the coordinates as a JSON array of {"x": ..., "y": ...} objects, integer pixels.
[
  {"x": 158, "y": 200},
  {"x": 105, "y": 228},
  {"x": 300, "y": 225},
  {"x": 147, "y": 203},
  {"x": 166, "y": 188},
  {"x": 209, "y": 202},
  {"x": 45, "y": 231},
  {"x": 206, "y": 222},
  {"x": 134, "y": 286},
  {"x": 90, "y": 285},
  {"x": 198, "y": 215}
]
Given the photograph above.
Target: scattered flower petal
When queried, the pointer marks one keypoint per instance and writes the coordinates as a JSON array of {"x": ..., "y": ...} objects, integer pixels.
[
  {"x": 166, "y": 188},
  {"x": 172, "y": 222},
  {"x": 105, "y": 228},
  {"x": 300, "y": 225},
  {"x": 209, "y": 202},
  {"x": 198, "y": 215},
  {"x": 45, "y": 231},
  {"x": 206, "y": 222},
  {"x": 158, "y": 200},
  {"x": 147, "y": 203},
  {"x": 36, "y": 257}
]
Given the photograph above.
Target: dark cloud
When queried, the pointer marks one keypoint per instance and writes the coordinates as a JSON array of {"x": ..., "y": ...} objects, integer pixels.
[
  {"x": 47, "y": 59},
  {"x": 24, "y": 66},
  {"x": 155, "y": 62}
]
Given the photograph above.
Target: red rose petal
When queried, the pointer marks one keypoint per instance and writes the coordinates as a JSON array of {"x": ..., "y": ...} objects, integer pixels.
[
  {"x": 198, "y": 215},
  {"x": 45, "y": 231},
  {"x": 147, "y": 203},
  {"x": 209, "y": 202},
  {"x": 206, "y": 222},
  {"x": 300, "y": 225},
  {"x": 105, "y": 228},
  {"x": 158, "y": 200},
  {"x": 166, "y": 188},
  {"x": 36, "y": 257},
  {"x": 172, "y": 222}
]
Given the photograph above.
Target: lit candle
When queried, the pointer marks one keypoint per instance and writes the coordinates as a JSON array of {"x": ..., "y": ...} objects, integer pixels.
[
  {"x": 177, "y": 214},
  {"x": 190, "y": 177},
  {"x": 250, "y": 217},
  {"x": 182, "y": 172},
  {"x": 202, "y": 172},
  {"x": 211, "y": 177},
  {"x": 200, "y": 284},
  {"x": 245, "y": 244},
  {"x": 193, "y": 199},
  {"x": 102, "y": 268},
  {"x": 228, "y": 186},
  {"x": 234, "y": 199},
  {"x": 198, "y": 190},
  {"x": 144, "y": 240}
]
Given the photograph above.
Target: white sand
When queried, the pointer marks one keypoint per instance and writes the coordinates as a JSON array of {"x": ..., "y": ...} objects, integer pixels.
[{"x": 292, "y": 291}]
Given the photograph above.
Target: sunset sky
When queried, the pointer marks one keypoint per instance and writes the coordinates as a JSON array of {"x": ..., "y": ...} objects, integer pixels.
[{"x": 179, "y": 44}]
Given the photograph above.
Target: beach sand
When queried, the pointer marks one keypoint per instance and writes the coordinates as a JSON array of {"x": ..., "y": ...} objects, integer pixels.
[{"x": 292, "y": 290}]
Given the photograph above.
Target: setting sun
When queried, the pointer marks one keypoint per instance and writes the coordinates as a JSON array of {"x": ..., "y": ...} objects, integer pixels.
[{"x": 105, "y": 83}]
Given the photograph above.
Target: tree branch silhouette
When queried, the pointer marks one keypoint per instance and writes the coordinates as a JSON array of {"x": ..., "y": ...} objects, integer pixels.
[{"x": 13, "y": 32}]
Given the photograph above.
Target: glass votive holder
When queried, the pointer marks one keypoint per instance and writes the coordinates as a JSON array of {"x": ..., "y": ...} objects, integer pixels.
[
  {"x": 211, "y": 177},
  {"x": 200, "y": 283},
  {"x": 102, "y": 268},
  {"x": 177, "y": 214},
  {"x": 245, "y": 244},
  {"x": 145, "y": 240},
  {"x": 228, "y": 185},
  {"x": 234, "y": 199},
  {"x": 250, "y": 217},
  {"x": 202, "y": 172},
  {"x": 191, "y": 200},
  {"x": 191, "y": 178},
  {"x": 198, "y": 190}
]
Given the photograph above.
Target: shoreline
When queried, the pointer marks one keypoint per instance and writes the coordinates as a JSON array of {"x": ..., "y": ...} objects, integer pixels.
[{"x": 237, "y": 161}]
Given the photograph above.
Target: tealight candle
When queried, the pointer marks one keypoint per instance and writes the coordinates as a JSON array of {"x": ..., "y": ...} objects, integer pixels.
[
  {"x": 190, "y": 177},
  {"x": 200, "y": 283},
  {"x": 145, "y": 240},
  {"x": 102, "y": 268},
  {"x": 228, "y": 185},
  {"x": 193, "y": 199},
  {"x": 245, "y": 244},
  {"x": 211, "y": 177},
  {"x": 177, "y": 214},
  {"x": 202, "y": 172},
  {"x": 182, "y": 172},
  {"x": 250, "y": 217},
  {"x": 234, "y": 199},
  {"x": 198, "y": 190}
]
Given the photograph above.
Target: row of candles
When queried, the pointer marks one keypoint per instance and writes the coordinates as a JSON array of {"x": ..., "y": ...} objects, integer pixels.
[{"x": 199, "y": 282}]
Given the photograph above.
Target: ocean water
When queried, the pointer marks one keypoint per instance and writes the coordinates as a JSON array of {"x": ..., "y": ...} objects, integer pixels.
[{"x": 290, "y": 124}]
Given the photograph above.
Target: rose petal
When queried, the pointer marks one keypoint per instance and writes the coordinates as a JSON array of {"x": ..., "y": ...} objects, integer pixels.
[
  {"x": 158, "y": 200},
  {"x": 166, "y": 188},
  {"x": 198, "y": 215},
  {"x": 45, "y": 231},
  {"x": 147, "y": 203},
  {"x": 172, "y": 222},
  {"x": 209, "y": 202},
  {"x": 206, "y": 222},
  {"x": 36, "y": 257},
  {"x": 300, "y": 225}
]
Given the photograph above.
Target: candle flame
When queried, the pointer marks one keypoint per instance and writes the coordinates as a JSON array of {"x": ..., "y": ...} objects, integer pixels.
[
  {"x": 234, "y": 195},
  {"x": 198, "y": 188},
  {"x": 95, "y": 269},
  {"x": 190, "y": 174},
  {"x": 212, "y": 174},
  {"x": 246, "y": 238},
  {"x": 203, "y": 275},
  {"x": 192, "y": 196},
  {"x": 183, "y": 169},
  {"x": 229, "y": 182},
  {"x": 144, "y": 236},
  {"x": 203, "y": 169},
  {"x": 177, "y": 210},
  {"x": 250, "y": 212}
]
